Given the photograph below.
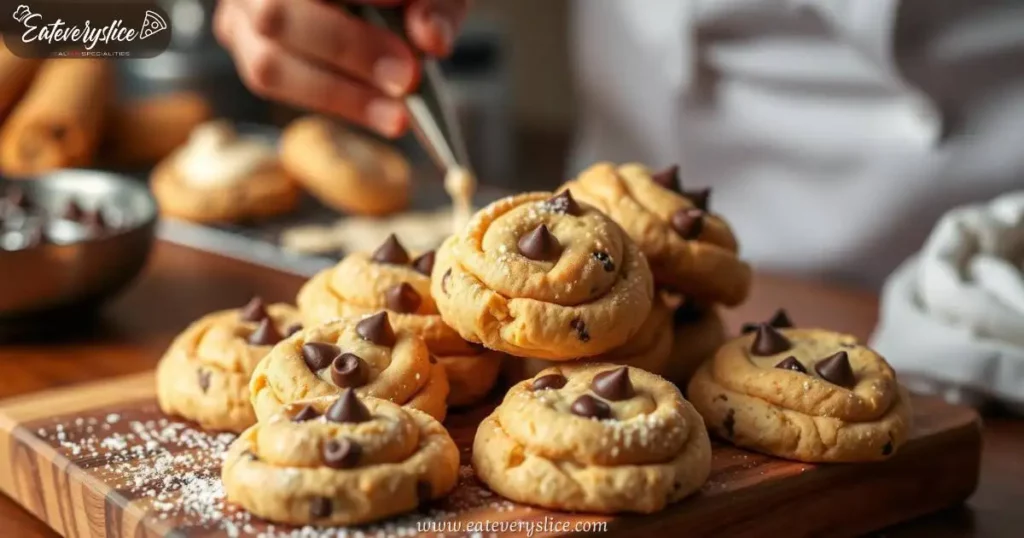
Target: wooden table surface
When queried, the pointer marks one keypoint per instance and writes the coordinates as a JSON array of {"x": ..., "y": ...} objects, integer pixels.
[{"x": 181, "y": 284}]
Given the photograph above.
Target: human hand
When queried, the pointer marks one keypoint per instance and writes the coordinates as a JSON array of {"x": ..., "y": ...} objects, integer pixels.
[{"x": 312, "y": 54}]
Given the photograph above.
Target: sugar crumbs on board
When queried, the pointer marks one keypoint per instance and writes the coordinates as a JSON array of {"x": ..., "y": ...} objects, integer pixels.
[{"x": 173, "y": 470}]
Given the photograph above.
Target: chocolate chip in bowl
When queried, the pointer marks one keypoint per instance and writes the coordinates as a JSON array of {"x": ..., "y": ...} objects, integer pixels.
[{"x": 68, "y": 241}]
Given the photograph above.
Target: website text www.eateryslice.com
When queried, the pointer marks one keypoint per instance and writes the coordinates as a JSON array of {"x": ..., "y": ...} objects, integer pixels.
[{"x": 548, "y": 525}]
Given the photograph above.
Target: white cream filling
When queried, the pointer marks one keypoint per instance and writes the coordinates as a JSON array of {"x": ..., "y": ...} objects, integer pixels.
[{"x": 216, "y": 156}]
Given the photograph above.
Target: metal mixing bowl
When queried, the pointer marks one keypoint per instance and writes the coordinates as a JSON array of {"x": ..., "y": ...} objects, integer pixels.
[{"x": 75, "y": 269}]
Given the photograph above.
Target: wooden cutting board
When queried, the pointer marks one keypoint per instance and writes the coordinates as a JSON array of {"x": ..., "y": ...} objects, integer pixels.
[{"x": 100, "y": 460}]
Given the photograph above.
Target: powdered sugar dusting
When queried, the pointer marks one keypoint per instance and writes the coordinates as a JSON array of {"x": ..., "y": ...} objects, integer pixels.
[{"x": 172, "y": 470}]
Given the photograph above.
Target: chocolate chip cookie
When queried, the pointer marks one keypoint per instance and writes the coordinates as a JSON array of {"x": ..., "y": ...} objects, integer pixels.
[
  {"x": 340, "y": 460},
  {"x": 367, "y": 354},
  {"x": 221, "y": 176},
  {"x": 391, "y": 279},
  {"x": 204, "y": 375},
  {"x": 540, "y": 275},
  {"x": 345, "y": 170},
  {"x": 594, "y": 438},
  {"x": 690, "y": 249},
  {"x": 804, "y": 394},
  {"x": 649, "y": 349}
]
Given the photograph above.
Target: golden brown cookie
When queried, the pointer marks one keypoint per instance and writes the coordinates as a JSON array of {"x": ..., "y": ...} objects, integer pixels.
[
  {"x": 698, "y": 333},
  {"x": 595, "y": 438},
  {"x": 804, "y": 394},
  {"x": 538, "y": 275},
  {"x": 345, "y": 170},
  {"x": 690, "y": 250},
  {"x": 649, "y": 349},
  {"x": 340, "y": 460},
  {"x": 364, "y": 353},
  {"x": 389, "y": 279},
  {"x": 219, "y": 176},
  {"x": 204, "y": 375}
]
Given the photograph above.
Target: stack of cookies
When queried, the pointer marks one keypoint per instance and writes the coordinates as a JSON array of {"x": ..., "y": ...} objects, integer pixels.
[
  {"x": 549, "y": 280},
  {"x": 391, "y": 281},
  {"x": 341, "y": 419},
  {"x": 599, "y": 297},
  {"x": 693, "y": 258}
]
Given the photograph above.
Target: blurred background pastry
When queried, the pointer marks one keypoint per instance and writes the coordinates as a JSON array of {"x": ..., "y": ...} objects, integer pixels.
[
  {"x": 59, "y": 121},
  {"x": 222, "y": 176},
  {"x": 345, "y": 170}
]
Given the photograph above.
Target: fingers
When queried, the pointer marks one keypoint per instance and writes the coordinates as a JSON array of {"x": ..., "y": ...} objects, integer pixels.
[
  {"x": 273, "y": 71},
  {"x": 323, "y": 33},
  {"x": 433, "y": 24}
]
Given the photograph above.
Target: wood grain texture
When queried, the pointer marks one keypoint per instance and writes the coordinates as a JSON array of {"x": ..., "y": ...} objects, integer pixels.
[
  {"x": 747, "y": 494},
  {"x": 180, "y": 284}
]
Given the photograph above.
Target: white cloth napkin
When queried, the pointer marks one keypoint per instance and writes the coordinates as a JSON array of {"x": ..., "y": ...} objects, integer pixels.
[{"x": 952, "y": 319}]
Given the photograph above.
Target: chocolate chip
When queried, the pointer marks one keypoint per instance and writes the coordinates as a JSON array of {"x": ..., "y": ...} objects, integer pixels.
[
  {"x": 780, "y": 320},
  {"x": 540, "y": 245},
  {"x": 292, "y": 329},
  {"x": 306, "y": 413},
  {"x": 887, "y": 449},
  {"x": 605, "y": 260},
  {"x": 687, "y": 313},
  {"x": 425, "y": 262},
  {"x": 580, "y": 327},
  {"x": 688, "y": 223},
  {"x": 729, "y": 423},
  {"x": 699, "y": 198},
  {"x": 391, "y": 251},
  {"x": 550, "y": 381},
  {"x": 319, "y": 355},
  {"x": 769, "y": 341},
  {"x": 613, "y": 385},
  {"x": 347, "y": 409},
  {"x": 265, "y": 334},
  {"x": 444, "y": 280},
  {"x": 564, "y": 203},
  {"x": 424, "y": 491},
  {"x": 72, "y": 211},
  {"x": 376, "y": 329},
  {"x": 836, "y": 370},
  {"x": 349, "y": 370},
  {"x": 254, "y": 310},
  {"x": 668, "y": 178},
  {"x": 204, "y": 379},
  {"x": 320, "y": 507},
  {"x": 587, "y": 406},
  {"x": 402, "y": 298},
  {"x": 791, "y": 363},
  {"x": 342, "y": 453}
]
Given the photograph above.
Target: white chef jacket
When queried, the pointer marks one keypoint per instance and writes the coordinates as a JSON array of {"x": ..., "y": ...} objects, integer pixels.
[{"x": 834, "y": 132}]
